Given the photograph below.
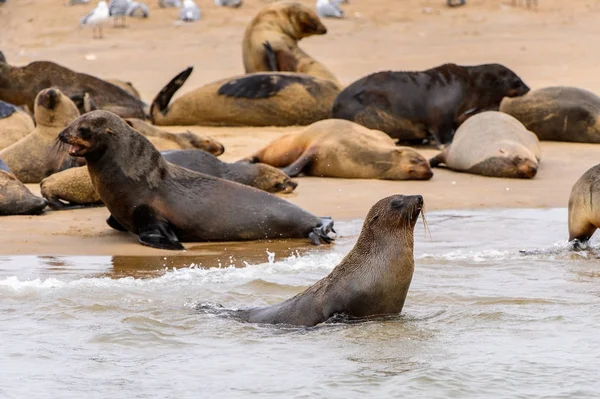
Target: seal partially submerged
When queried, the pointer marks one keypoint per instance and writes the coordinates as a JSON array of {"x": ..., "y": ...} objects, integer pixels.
[
  {"x": 372, "y": 280},
  {"x": 492, "y": 144},
  {"x": 584, "y": 213},
  {"x": 429, "y": 104},
  {"x": 339, "y": 148},
  {"x": 558, "y": 113},
  {"x": 164, "y": 204},
  {"x": 261, "y": 99}
]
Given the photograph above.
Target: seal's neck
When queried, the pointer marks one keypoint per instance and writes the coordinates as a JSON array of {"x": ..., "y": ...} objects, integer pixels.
[{"x": 241, "y": 173}]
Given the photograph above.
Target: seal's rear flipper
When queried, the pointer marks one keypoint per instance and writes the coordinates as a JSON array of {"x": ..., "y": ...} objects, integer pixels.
[
  {"x": 162, "y": 99},
  {"x": 300, "y": 164},
  {"x": 320, "y": 233},
  {"x": 112, "y": 222},
  {"x": 154, "y": 232}
]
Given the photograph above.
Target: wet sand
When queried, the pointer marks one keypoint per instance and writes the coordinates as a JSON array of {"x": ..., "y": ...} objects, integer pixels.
[{"x": 550, "y": 46}]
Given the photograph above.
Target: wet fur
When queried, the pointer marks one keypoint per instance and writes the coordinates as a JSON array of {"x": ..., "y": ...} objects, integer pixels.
[{"x": 584, "y": 207}]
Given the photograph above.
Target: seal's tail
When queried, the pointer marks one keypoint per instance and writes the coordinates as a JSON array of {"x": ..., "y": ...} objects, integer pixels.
[
  {"x": 162, "y": 99},
  {"x": 322, "y": 234}
]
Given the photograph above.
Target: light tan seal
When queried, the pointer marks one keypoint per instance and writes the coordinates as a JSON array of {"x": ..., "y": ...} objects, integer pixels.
[
  {"x": 14, "y": 124},
  {"x": 37, "y": 155},
  {"x": 261, "y": 99},
  {"x": 127, "y": 86},
  {"x": 492, "y": 144},
  {"x": 584, "y": 208},
  {"x": 271, "y": 41},
  {"x": 372, "y": 280},
  {"x": 340, "y": 148},
  {"x": 558, "y": 113}
]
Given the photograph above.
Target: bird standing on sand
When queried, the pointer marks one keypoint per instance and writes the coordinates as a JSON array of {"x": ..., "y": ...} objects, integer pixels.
[
  {"x": 96, "y": 18},
  {"x": 453, "y": 3},
  {"x": 118, "y": 10},
  {"x": 229, "y": 3},
  {"x": 169, "y": 3},
  {"x": 330, "y": 8},
  {"x": 137, "y": 9},
  {"x": 189, "y": 12}
]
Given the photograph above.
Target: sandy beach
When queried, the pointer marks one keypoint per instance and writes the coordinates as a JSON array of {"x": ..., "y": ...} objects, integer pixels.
[{"x": 550, "y": 46}]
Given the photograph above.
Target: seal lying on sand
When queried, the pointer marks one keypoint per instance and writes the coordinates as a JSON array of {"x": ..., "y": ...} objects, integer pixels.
[
  {"x": 372, "y": 280},
  {"x": 20, "y": 86},
  {"x": 584, "y": 214},
  {"x": 15, "y": 198},
  {"x": 339, "y": 148},
  {"x": 75, "y": 185},
  {"x": 558, "y": 114},
  {"x": 432, "y": 103},
  {"x": 271, "y": 41},
  {"x": 164, "y": 204},
  {"x": 14, "y": 124},
  {"x": 36, "y": 155},
  {"x": 261, "y": 99},
  {"x": 127, "y": 86},
  {"x": 492, "y": 144}
]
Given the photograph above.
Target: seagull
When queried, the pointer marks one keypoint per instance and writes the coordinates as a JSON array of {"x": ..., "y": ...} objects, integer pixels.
[
  {"x": 118, "y": 8},
  {"x": 189, "y": 12},
  {"x": 229, "y": 3},
  {"x": 169, "y": 3},
  {"x": 138, "y": 10},
  {"x": 330, "y": 8},
  {"x": 96, "y": 18}
]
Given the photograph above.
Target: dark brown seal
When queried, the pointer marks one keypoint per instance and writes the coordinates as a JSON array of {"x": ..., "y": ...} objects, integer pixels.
[
  {"x": 558, "y": 113},
  {"x": 432, "y": 103},
  {"x": 372, "y": 280},
  {"x": 584, "y": 214},
  {"x": 20, "y": 85},
  {"x": 15, "y": 198},
  {"x": 164, "y": 204},
  {"x": 260, "y": 99}
]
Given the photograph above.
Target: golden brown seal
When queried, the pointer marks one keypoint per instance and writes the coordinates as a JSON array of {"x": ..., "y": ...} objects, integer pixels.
[
  {"x": 584, "y": 210},
  {"x": 14, "y": 124}
]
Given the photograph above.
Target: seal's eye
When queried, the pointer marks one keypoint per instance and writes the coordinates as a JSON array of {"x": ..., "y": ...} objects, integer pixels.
[
  {"x": 85, "y": 133},
  {"x": 517, "y": 84},
  {"x": 279, "y": 187},
  {"x": 397, "y": 204}
]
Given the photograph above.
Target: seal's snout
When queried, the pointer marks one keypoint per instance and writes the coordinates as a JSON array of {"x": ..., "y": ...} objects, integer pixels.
[{"x": 527, "y": 169}]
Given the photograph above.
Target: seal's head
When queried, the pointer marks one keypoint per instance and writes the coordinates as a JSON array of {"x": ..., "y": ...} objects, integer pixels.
[
  {"x": 91, "y": 134},
  {"x": 513, "y": 160},
  {"x": 52, "y": 108},
  {"x": 294, "y": 19},
  {"x": 271, "y": 179},
  {"x": 407, "y": 164},
  {"x": 496, "y": 82},
  {"x": 394, "y": 215}
]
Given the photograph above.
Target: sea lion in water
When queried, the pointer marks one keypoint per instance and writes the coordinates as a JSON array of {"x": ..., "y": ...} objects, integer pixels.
[
  {"x": 164, "y": 204},
  {"x": 75, "y": 185},
  {"x": 20, "y": 85},
  {"x": 261, "y": 99},
  {"x": 492, "y": 144},
  {"x": 36, "y": 155},
  {"x": 558, "y": 114},
  {"x": 372, "y": 280},
  {"x": 127, "y": 86},
  {"x": 433, "y": 103},
  {"x": 14, "y": 124},
  {"x": 271, "y": 41},
  {"x": 584, "y": 213},
  {"x": 164, "y": 140},
  {"x": 339, "y": 148},
  {"x": 15, "y": 198}
]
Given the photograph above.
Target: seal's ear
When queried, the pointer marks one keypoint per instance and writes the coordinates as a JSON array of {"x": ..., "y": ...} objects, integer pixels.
[{"x": 108, "y": 131}]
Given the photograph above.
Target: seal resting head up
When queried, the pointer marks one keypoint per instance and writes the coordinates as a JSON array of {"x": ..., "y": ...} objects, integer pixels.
[{"x": 372, "y": 280}]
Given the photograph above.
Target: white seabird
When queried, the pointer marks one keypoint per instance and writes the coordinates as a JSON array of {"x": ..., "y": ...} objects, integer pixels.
[
  {"x": 330, "y": 8},
  {"x": 137, "y": 9},
  {"x": 169, "y": 3},
  {"x": 189, "y": 11},
  {"x": 96, "y": 18},
  {"x": 118, "y": 10}
]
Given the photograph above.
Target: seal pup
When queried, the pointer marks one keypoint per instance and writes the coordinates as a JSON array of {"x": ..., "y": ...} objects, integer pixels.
[
  {"x": 339, "y": 148},
  {"x": 15, "y": 198},
  {"x": 330, "y": 8},
  {"x": 492, "y": 144},
  {"x": 189, "y": 11},
  {"x": 73, "y": 188},
  {"x": 260, "y": 99},
  {"x": 97, "y": 18},
  {"x": 584, "y": 214},
  {"x": 20, "y": 85},
  {"x": 558, "y": 113},
  {"x": 372, "y": 280},
  {"x": 36, "y": 155},
  {"x": 14, "y": 124},
  {"x": 433, "y": 103},
  {"x": 271, "y": 41},
  {"x": 164, "y": 204}
]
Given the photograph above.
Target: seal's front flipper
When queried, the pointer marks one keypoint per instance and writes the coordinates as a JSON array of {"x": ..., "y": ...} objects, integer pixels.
[
  {"x": 299, "y": 165},
  {"x": 112, "y": 222},
  {"x": 320, "y": 234},
  {"x": 438, "y": 159},
  {"x": 153, "y": 231},
  {"x": 270, "y": 57}
]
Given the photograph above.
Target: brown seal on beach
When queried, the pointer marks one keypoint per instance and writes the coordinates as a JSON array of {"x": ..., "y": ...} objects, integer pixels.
[
  {"x": 74, "y": 186},
  {"x": 492, "y": 144},
  {"x": 37, "y": 155},
  {"x": 558, "y": 113},
  {"x": 433, "y": 103},
  {"x": 165, "y": 204},
  {"x": 14, "y": 124},
  {"x": 339, "y": 148},
  {"x": 260, "y": 99},
  {"x": 584, "y": 213},
  {"x": 372, "y": 280},
  {"x": 20, "y": 85},
  {"x": 271, "y": 41},
  {"x": 127, "y": 86},
  {"x": 15, "y": 198}
]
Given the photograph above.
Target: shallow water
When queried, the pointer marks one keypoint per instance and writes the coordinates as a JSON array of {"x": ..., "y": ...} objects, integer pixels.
[{"x": 481, "y": 320}]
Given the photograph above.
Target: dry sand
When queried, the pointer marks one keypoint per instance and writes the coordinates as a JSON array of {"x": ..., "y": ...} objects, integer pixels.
[{"x": 555, "y": 45}]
